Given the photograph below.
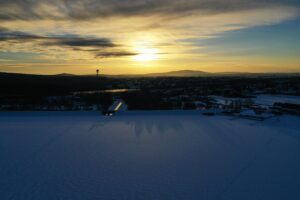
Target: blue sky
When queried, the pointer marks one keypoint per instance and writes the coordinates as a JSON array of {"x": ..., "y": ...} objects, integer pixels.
[{"x": 273, "y": 40}]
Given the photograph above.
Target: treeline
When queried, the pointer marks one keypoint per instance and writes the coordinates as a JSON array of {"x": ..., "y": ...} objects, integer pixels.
[
  {"x": 31, "y": 85},
  {"x": 97, "y": 101},
  {"x": 145, "y": 100}
]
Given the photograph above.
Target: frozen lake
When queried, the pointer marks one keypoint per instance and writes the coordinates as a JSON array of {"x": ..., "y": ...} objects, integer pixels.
[{"x": 147, "y": 155}]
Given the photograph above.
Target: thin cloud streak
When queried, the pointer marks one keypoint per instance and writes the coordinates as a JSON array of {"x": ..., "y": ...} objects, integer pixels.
[
  {"x": 115, "y": 54},
  {"x": 91, "y": 9},
  {"x": 76, "y": 43}
]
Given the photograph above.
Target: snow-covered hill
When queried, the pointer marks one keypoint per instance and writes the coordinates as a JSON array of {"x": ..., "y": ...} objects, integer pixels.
[{"x": 148, "y": 155}]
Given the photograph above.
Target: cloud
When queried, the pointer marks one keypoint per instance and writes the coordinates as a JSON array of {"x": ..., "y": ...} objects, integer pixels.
[
  {"x": 114, "y": 54},
  {"x": 91, "y": 9},
  {"x": 7, "y": 35},
  {"x": 80, "y": 42},
  {"x": 69, "y": 40},
  {"x": 73, "y": 42}
]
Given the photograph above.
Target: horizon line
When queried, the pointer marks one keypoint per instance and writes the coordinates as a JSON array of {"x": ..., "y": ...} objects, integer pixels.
[{"x": 145, "y": 74}]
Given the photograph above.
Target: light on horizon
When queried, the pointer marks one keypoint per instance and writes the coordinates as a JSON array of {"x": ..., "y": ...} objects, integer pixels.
[{"x": 146, "y": 54}]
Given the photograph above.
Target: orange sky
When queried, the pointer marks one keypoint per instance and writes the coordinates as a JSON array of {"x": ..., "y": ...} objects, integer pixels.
[{"x": 51, "y": 37}]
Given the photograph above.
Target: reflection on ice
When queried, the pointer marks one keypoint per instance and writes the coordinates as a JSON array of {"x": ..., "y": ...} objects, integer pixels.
[
  {"x": 145, "y": 125},
  {"x": 152, "y": 125}
]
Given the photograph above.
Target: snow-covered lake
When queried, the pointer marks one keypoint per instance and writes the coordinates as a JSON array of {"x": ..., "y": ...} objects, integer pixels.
[{"x": 148, "y": 155}]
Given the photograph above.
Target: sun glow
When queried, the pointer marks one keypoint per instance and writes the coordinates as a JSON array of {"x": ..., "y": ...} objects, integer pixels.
[{"x": 146, "y": 54}]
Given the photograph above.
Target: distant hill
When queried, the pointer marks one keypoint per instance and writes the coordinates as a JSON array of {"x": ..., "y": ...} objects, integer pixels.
[
  {"x": 64, "y": 74},
  {"x": 182, "y": 73},
  {"x": 195, "y": 73}
]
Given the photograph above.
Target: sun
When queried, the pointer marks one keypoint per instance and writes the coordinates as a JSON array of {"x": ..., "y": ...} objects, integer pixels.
[{"x": 146, "y": 54}]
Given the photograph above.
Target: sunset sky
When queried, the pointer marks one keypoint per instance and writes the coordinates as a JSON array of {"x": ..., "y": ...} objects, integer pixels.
[{"x": 144, "y": 36}]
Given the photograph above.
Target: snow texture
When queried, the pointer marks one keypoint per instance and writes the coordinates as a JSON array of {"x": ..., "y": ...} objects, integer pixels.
[{"x": 148, "y": 155}]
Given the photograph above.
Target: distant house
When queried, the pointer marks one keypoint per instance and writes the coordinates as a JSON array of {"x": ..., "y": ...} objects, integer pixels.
[
  {"x": 200, "y": 105},
  {"x": 231, "y": 103}
]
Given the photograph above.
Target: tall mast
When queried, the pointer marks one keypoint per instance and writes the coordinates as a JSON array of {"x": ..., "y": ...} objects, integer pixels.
[{"x": 97, "y": 71}]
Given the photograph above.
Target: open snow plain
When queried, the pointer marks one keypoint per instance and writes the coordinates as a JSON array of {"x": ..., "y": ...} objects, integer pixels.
[{"x": 148, "y": 155}]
